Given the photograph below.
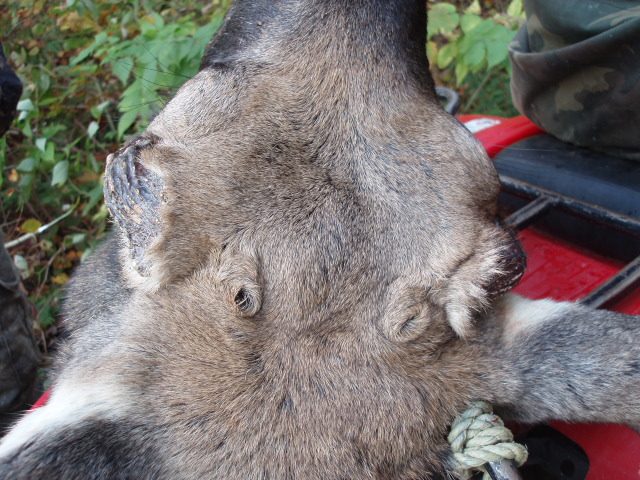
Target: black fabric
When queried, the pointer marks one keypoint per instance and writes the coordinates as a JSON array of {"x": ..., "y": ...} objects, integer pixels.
[
  {"x": 10, "y": 92},
  {"x": 19, "y": 352},
  {"x": 576, "y": 72}
]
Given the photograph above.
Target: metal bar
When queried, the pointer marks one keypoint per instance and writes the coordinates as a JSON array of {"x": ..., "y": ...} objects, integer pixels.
[
  {"x": 614, "y": 286},
  {"x": 505, "y": 470},
  {"x": 582, "y": 209},
  {"x": 531, "y": 212}
]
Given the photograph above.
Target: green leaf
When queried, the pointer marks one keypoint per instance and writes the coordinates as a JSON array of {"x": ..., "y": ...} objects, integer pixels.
[
  {"x": 60, "y": 173},
  {"x": 76, "y": 238},
  {"x": 26, "y": 129},
  {"x": 92, "y": 129},
  {"x": 96, "y": 112},
  {"x": 148, "y": 29},
  {"x": 25, "y": 105},
  {"x": 27, "y": 165},
  {"x": 26, "y": 181},
  {"x": 468, "y": 22},
  {"x": 496, "y": 52},
  {"x": 50, "y": 154},
  {"x": 99, "y": 40},
  {"x": 21, "y": 264},
  {"x": 122, "y": 68},
  {"x": 126, "y": 120},
  {"x": 41, "y": 143},
  {"x": 474, "y": 8},
  {"x": 44, "y": 82},
  {"x": 30, "y": 226},
  {"x": 51, "y": 130},
  {"x": 462, "y": 69},
  {"x": 443, "y": 18},
  {"x": 95, "y": 195},
  {"x": 446, "y": 55},
  {"x": 515, "y": 9},
  {"x": 158, "y": 21},
  {"x": 131, "y": 97},
  {"x": 476, "y": 56}
]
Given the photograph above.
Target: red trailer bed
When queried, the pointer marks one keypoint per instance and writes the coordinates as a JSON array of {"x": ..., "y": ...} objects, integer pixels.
[{"x": 563, "y": 270}]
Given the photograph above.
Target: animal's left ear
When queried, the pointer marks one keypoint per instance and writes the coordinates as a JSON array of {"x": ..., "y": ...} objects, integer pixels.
[
  {"x": 408, "y": 313},
  {"x": 134, "y": 193}
]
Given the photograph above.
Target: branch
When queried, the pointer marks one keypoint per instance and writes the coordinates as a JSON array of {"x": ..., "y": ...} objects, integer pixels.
[{"x": 43, "y": 228}]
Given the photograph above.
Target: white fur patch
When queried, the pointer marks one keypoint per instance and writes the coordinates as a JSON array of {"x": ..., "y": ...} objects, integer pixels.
[
  {"x": 522, "y": 315},
  {"x": 71, "y": 402}
]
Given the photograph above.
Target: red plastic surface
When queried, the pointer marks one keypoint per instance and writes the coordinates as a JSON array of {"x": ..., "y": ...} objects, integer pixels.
[
  {"x": 508, "y": 131},
  {"x": 42, "y": 401},
  {"x": 562, "y": 271}
]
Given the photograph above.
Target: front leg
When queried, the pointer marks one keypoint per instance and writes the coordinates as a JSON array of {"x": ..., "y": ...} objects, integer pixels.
[{"x": 568, "y": 362}]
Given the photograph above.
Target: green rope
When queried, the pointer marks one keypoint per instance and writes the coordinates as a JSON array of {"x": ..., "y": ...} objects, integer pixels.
[{"x": 478, "y": 437}]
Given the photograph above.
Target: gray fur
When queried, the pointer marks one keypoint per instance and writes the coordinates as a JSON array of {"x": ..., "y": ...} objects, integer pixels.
[{"x": 313, "y": 295}]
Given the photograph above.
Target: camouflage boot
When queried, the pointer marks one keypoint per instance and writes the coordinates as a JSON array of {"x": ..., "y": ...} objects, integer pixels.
[
  {"x": 576, "y": 72},
  {"x": 19, "y": 353}
]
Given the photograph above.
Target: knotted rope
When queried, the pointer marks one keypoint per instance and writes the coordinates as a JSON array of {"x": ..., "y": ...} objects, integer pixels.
[{"x": 477, "y": 437}]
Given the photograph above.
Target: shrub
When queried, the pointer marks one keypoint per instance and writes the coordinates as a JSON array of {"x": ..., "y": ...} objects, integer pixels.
[{"x": 469, "y": 48}]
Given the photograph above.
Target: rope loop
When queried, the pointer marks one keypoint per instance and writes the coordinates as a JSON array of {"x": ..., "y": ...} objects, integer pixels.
[{"x": 478, "y": 436}]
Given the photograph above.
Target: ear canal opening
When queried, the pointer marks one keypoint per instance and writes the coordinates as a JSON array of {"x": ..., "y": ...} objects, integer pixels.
[
  {"x": 247, "y": 300},
  {"x": 243, "y": 300}
]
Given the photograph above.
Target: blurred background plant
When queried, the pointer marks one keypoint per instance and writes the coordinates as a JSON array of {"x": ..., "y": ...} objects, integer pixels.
[
  {"x": 96, "y": 71},
  {"x": 467, "y": 46}
]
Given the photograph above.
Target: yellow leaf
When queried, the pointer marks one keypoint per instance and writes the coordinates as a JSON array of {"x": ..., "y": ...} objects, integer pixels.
[
  {"x": 88, "y": 176},
  {"x": 37, "y": 7},
  {"x": 30, "y": 226},
  {"x": 73, "y": 22},
  {"x": 60, "y": 279},
  {"x": 432, "y": 51}
]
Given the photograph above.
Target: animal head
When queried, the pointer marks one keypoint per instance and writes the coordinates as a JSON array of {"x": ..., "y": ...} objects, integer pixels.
[{"x": 312, "y": 145}]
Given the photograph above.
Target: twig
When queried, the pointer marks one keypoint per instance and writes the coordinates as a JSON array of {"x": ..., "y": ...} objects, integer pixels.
[
  {"x": 477, "y": 91},
  {"x": 43, "y": 228}
]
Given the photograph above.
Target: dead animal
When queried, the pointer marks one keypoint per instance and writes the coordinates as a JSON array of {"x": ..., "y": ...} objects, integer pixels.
[{"x": 307, "y": 276}]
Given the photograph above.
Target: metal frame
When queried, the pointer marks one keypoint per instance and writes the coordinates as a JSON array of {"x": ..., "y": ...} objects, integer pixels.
[{"x": 544, "y": 201}]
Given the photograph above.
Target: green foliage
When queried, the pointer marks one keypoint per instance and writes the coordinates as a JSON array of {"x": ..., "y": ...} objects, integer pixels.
[
  {"x": 472, "y": 45},
  {"x": 94, "y": 72}
]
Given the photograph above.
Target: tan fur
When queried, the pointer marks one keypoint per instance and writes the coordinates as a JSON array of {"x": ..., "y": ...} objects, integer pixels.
[{"x": 313, "y": 248}]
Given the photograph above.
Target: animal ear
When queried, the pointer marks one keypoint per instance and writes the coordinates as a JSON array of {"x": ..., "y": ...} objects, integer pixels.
[
  {"x": 408, "y": 314},
  {"x": 239, "y": 275},
  {"x": 134, "y": 193},
  {"x": 464, "y": 295}
]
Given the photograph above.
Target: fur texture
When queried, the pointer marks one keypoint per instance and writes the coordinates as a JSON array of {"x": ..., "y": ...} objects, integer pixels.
[{"x": 303, "y": 287}]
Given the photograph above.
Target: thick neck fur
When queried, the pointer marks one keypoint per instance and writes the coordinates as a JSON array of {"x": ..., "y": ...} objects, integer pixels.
[{"x": 343, "y": 34}]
